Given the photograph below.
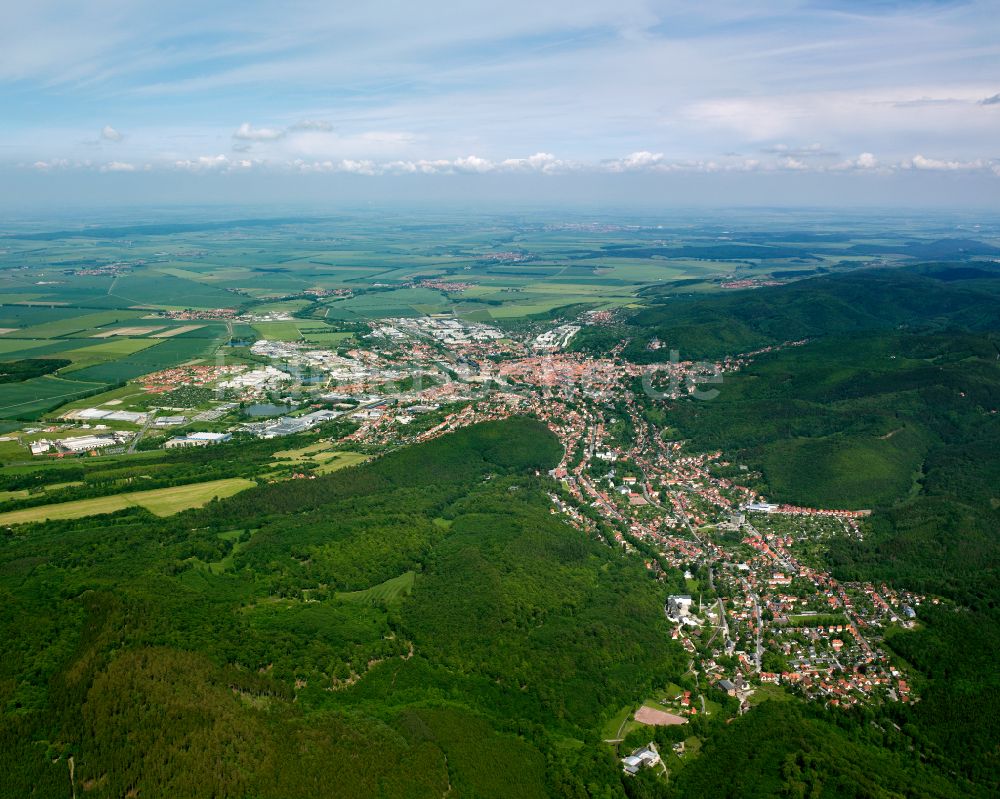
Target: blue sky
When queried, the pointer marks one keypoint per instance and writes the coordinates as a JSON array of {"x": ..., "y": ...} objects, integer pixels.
[{"x": 838, "y": 93}]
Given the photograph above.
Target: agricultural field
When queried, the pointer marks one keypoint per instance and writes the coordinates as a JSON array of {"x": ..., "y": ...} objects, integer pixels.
[
  {"x": 38, "y": 395},
  {"x": 278, "y": 331},
  {"x": 160, "y": 501},
  {"x": 111, "y": 350},
  {"x": 120, "y": 301},
  {"x": 75, "y": 324}
]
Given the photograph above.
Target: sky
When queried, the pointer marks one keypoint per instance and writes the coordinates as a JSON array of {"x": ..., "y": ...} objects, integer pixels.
[{"x": 771, "y": 101}]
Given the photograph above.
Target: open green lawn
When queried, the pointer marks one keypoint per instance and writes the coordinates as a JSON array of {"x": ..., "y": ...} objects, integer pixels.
[
  {"x": 340, "y": 460},
  {"x": 386, "y": 592},
  {"x": 161, "y": 501},
  {"x": 611, "y": 728},
  {"x": 278, "y": 331},
  {"x": 324, "y": 453},
  {"x": 226, "y": 563},
  {"x": 765, "y": 692},
  {"x": 331, "y": 339},
  {"x": 126, "y": 395},
  {"x": 311, "y": 452}
]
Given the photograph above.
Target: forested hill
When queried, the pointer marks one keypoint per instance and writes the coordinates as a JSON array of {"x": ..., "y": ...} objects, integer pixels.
[
  {"x": 418, "y": 626},
  {"x": 926, "y": 297},
  {"x": 906, "y": 423}
]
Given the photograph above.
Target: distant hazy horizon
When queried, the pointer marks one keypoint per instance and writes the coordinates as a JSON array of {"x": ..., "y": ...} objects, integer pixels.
[{"x": 919, "y": 193}]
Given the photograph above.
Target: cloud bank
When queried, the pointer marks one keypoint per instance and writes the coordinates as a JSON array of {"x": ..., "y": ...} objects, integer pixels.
[{"x": 630, "y": 87}]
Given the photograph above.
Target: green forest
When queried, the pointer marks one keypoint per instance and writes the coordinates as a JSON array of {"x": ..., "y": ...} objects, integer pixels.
[
  {"x": 904, "y": 422},
  {"x": 926, "y": 298},
  {"x": 226, "y": 652},
  {"x": 130, "y": 657},
  {"x": 26, "y": 368},
  {"x": 423, "y": 624}
]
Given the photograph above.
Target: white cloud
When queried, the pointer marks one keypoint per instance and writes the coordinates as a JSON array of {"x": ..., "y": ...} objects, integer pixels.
[
  {"x": 920, "y": 162},
  {"x": 866, "y": 161},
  {"x": 792, "y": 163},
  {"x": 473, "y": 163},
  {"x": 539, "y": 162},
  {"x": 357, "y": 167},
  {"x": 470, "y": 164},
  {"x": 204, "y": 162},
  {"x": 246, "y": 132},
  {"x": 108, "y": 133},
  {"x": 642, "y": 159}
]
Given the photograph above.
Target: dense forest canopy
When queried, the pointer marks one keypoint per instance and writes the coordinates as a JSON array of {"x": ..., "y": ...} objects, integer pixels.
[
  {"x": 223, "y": 647},
  {"x": 927, "y": 297}
]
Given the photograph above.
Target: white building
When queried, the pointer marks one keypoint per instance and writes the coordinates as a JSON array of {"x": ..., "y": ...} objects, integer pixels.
[
  {"x": 170, "y": 421},
  {"x": 198, "y": 440},
  {"x": 678, "y": 607},
  {"x": 646, "y": 757},
  {"x": 88, "y": 443}
]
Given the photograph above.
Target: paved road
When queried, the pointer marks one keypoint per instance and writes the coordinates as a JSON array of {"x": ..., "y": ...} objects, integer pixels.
[
  {"x": 142, "y": 432},
  {"x": 759, "y": 649}
]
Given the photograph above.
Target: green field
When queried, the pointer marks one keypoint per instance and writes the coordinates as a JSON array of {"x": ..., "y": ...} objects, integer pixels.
[
  {"x": 278, "y": 331},
  {"x": 323, "y": 453},
  {"x": 615, "y": 727},
  {"x": 75, "y": 324},
  {"x": 112, "y": 350},
  {"x": 226, "y": 563},
  {"x": 32, "y": 397},
  {"x": 340, "y": 460},
  {"x": 12, "y": 346},
  {"x": 160, "y": 501},
  {"x": 384, "y": 593}
]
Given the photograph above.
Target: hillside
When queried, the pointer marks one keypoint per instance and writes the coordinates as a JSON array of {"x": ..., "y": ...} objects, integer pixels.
[
  {"x": 906, "y": 423},
  {"x": 212, "y": 652},
  {"x": 924, "y": 298}
]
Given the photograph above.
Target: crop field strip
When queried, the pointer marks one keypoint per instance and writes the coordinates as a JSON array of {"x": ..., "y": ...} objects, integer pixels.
[
  {"x": 159, "y": 501},
  {"x": 177, "y": 331}
]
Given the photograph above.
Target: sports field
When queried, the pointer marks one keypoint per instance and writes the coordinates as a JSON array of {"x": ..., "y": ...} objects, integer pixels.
[
  {"x": 657, "y": 718},
  {"x": 161, "y": 501}
]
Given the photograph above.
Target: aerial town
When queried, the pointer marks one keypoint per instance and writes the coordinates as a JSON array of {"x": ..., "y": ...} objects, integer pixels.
[{"x": 757, "y": 611}]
